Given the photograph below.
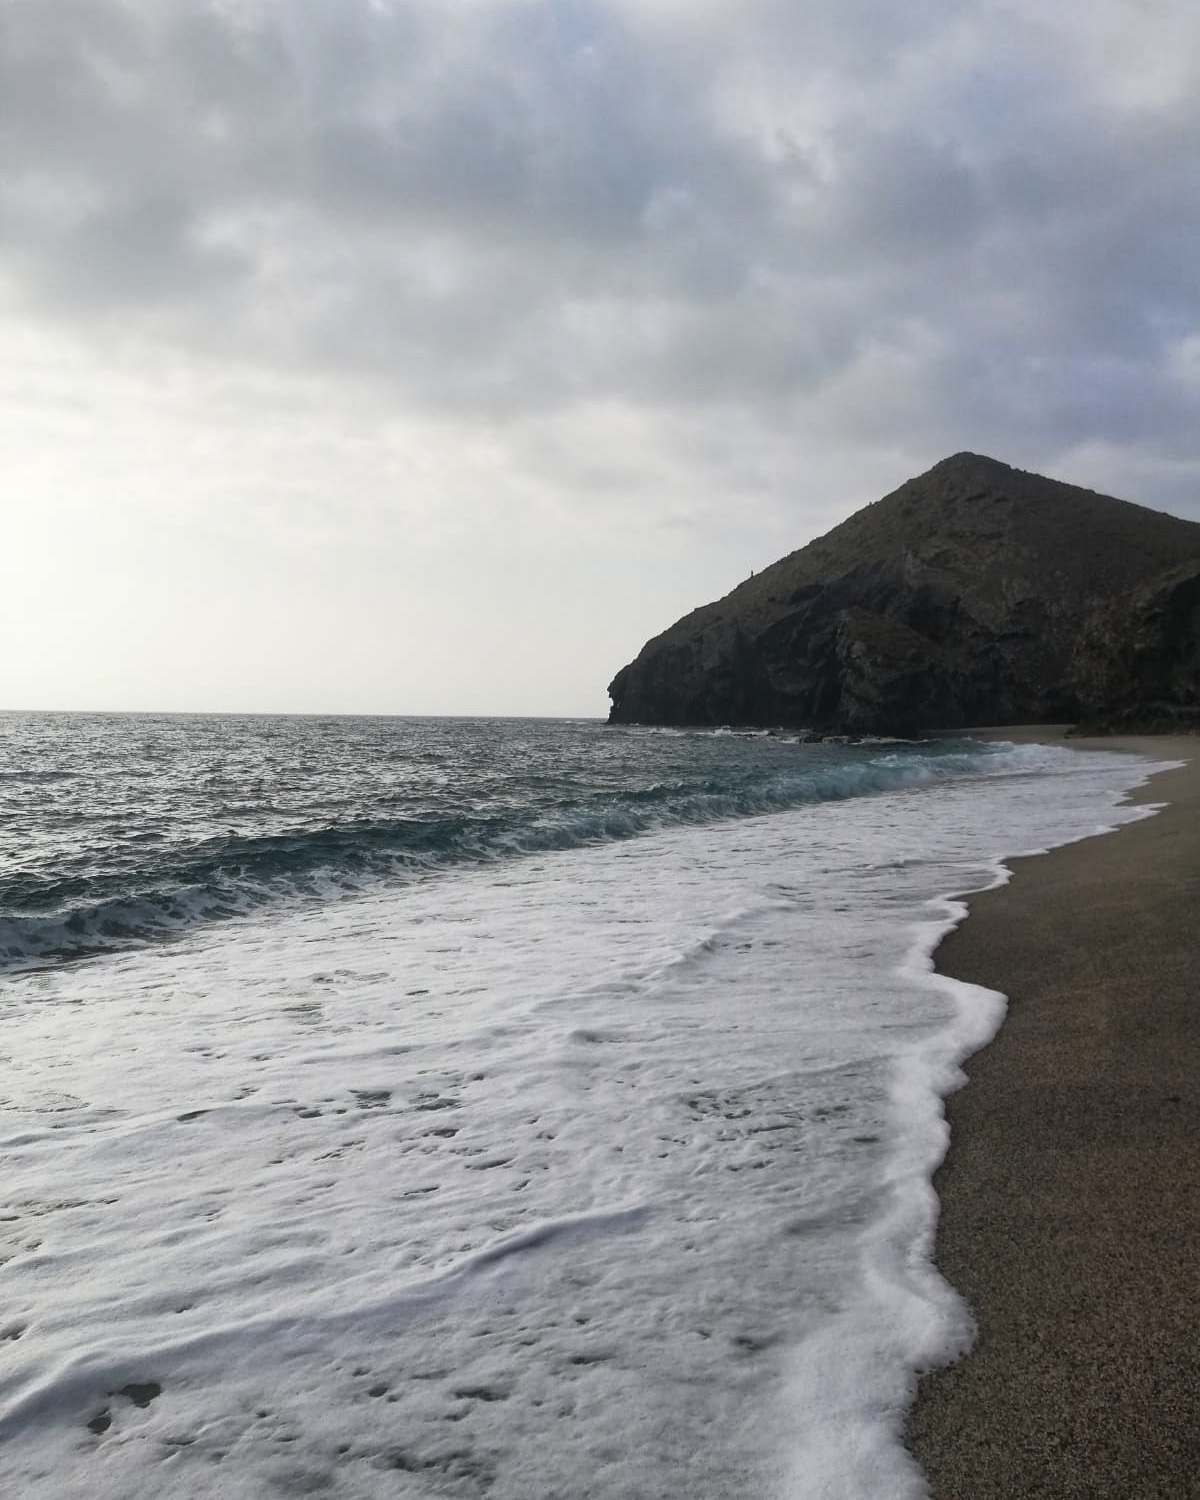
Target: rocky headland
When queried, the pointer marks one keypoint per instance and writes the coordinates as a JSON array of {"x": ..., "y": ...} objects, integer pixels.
[{"x": 974, "y": 594}]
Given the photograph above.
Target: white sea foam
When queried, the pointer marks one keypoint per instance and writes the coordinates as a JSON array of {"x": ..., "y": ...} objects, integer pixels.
[{"x": 604, "y": 1173}]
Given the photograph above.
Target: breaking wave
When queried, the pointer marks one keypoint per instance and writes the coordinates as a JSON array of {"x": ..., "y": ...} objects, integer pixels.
[{"x": 47, "y": 919}]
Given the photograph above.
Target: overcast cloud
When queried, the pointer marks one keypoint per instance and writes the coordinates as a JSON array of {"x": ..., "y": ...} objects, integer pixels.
[{"x": 428, "y": 356}]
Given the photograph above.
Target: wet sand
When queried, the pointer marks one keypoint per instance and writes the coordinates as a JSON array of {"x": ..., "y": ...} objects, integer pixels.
[{"x": 1071, "y": 1192}]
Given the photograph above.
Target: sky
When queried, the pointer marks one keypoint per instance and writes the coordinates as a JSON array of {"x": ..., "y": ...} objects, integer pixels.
[{"x": 428, "y": 356}]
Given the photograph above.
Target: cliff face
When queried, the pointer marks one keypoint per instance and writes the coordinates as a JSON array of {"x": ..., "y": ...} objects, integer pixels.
[
  {"x": 1138, "y": 658},
  {"x": 973, "y": 594}
]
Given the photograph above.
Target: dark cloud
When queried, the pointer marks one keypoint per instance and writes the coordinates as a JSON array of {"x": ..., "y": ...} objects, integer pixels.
[{"x": 930, "y": 225}]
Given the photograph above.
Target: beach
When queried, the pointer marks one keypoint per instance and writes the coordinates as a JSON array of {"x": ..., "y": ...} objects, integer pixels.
[
  {"x": 488, "y": 1108},
  {"x": 1070, "y": 1218}
]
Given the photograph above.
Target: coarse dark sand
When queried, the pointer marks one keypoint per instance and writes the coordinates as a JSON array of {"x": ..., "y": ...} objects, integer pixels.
[{"x": 1070, "y": 1196}]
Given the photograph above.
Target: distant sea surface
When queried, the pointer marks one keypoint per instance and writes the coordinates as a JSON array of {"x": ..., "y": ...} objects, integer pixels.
[{"x": 485, "y": 1108}]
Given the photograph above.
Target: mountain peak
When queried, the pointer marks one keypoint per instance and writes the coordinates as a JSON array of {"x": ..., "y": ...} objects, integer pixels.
[
  {"x": 968, "y": 468},
  {"x": 968, "y": 460}
]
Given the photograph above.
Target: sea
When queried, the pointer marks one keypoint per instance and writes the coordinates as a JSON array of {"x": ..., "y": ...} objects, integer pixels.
[{"x": 506, "y": 1108}]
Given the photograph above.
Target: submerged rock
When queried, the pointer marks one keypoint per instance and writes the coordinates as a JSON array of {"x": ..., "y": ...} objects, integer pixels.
[{"x": 973, "y": 594}]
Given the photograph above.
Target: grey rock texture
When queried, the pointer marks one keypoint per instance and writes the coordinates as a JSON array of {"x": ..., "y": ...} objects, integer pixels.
[
  {"x": 1138, "y": 659},
  {"x": 973, "y": 594}
]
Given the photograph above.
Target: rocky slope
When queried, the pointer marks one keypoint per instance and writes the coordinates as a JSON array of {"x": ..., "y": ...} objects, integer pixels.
[{"x": 973, "y": 594}]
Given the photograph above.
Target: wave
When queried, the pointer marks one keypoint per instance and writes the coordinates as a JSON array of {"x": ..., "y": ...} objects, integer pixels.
[
  {"x": 38, "y": 776},
  {"x": 228, "y": 877}
]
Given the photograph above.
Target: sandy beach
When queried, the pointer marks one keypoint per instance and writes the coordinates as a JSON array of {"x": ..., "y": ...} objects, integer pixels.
[{"x": 1071, "y": 1193}]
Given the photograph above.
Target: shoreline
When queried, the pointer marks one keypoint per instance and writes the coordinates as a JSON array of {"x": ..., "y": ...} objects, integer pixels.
[{"x": 1070, "y": 1194}]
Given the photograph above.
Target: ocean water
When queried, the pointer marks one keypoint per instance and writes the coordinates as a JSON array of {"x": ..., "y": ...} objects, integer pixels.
[{"x": 508, "y": 1109}]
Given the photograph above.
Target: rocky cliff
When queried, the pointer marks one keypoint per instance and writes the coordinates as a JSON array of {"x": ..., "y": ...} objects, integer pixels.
[{"x": 973, "y": 594}]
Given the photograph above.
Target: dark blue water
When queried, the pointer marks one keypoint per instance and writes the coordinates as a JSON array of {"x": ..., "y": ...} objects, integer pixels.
[{"x": 116, "y": 830}]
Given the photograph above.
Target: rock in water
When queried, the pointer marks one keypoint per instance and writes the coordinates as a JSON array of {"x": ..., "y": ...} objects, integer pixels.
[{"x": 973, "y": 594}]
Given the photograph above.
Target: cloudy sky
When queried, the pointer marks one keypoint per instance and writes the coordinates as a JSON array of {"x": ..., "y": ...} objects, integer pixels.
[{"x": 427, "y": 356}]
